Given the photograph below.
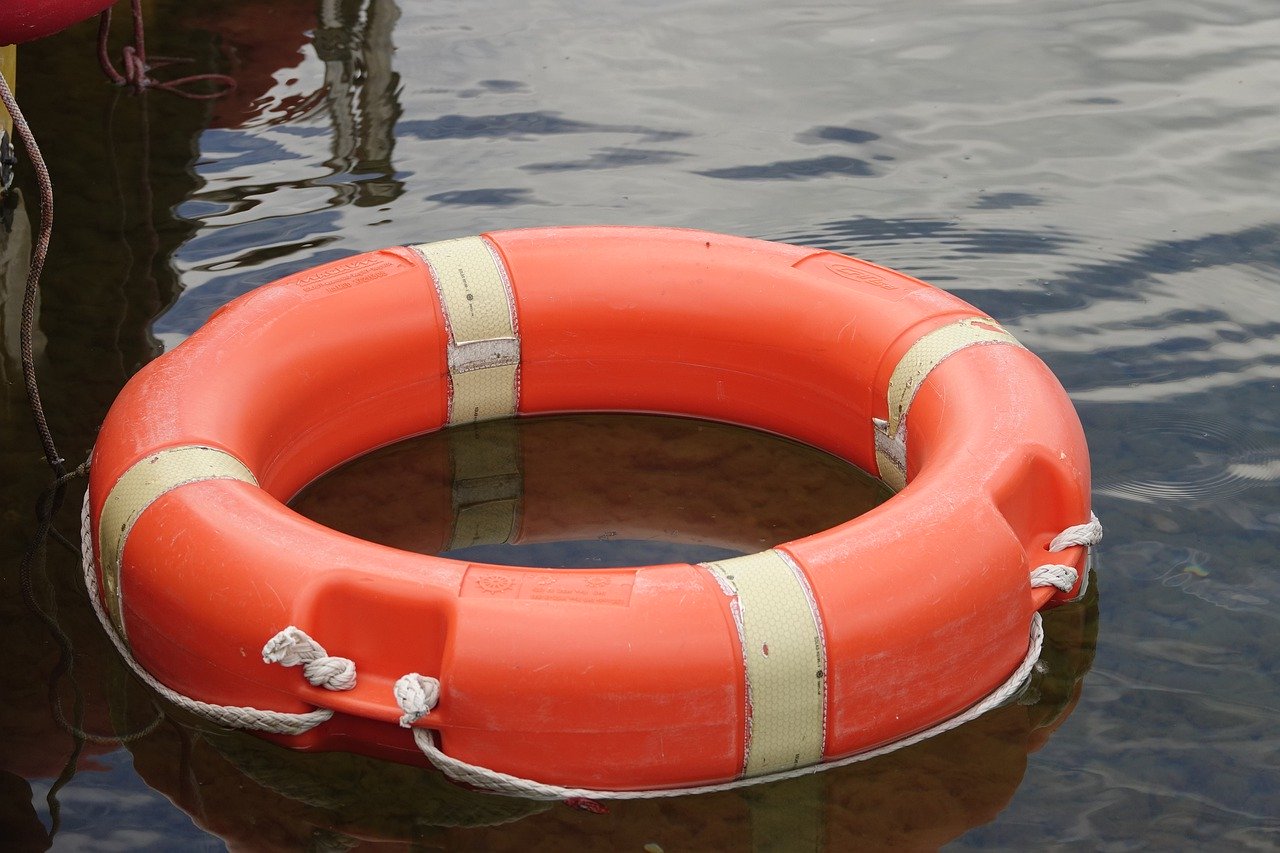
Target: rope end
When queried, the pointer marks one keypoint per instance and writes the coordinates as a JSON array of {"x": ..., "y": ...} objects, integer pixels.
[
  {"x": 290, "y": 647},
  {"x": 293, "y": 647}
]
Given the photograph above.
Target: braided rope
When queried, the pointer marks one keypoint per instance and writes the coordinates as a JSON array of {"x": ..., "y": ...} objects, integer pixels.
[
  {"x": 137, "y": 63},
  {"x": 293, "y": 647},
  {"x": 1087, "y": 534},
  {"x": 503, "y": 783},
  {"x": 1064, "y": 577},
  {"x": 31, "y": 292},
  {"x": 1052, "y": 574},
  {"x": 416, "y": 695},
  {"x": 232, "y": 716}
]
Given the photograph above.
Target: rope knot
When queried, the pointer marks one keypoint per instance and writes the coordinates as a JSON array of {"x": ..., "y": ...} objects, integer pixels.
[
  {"x": 293, "y": 647},
  {"x": 416, "y": 695}
]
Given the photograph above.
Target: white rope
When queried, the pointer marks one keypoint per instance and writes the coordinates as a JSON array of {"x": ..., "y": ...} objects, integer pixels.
[
  {"x": 416, "y": 695},
  {"x": 293, "y": 646},
  {"x": 1087, "y": 534},
  {"x": 502, "y": 783},
  {"x": 1053, "y": 574},
  {"x": 1058, "y": 575},
  {"x": 232, "y": 716}
]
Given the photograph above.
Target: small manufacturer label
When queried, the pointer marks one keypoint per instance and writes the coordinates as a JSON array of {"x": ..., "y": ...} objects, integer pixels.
[
  {"x": 875, "y": 281},
  {"x": 580, "y": 587},
  {"x": 866, "y": 275},
  {"x": 341, "y": 275}
]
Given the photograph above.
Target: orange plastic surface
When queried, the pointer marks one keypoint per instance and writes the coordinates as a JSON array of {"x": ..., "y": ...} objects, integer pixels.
[{"x": 626, "y": 678}]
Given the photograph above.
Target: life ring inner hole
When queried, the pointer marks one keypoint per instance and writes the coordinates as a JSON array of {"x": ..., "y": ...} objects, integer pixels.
[{"x": 590, "y": 491}]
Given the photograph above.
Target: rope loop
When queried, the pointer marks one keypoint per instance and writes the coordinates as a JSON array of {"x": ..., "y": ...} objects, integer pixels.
[
  {"x": 137, "y": 64},
  {"x": 331, "y": 673},
  {"x": 498, "y": 782},
  {"x": 1087, "y": 534},
  {"x": 293, "y": 646},
  {"x": 1064, "y": 577},
  {"x": 416, "y": 695},
  {"x": 1052, "y": 574}
]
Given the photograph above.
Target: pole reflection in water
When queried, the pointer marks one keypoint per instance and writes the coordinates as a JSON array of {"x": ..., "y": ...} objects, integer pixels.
[
  {"x": 360, "y": 93},
  {"x": 15, "y": 260}
]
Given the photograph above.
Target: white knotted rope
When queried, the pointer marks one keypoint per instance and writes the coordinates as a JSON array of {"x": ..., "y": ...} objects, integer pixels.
[
  {"x": 232, "y": 716},
  {"x": 1058, "y": 575},
  {"x": 503, "y": 783},
  {"x": 293, "y": 647},
  {"x": 416, "y": 695}
]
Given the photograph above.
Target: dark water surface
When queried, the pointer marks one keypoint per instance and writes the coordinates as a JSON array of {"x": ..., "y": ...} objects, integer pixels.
[{"x": 1099, "y": 176}]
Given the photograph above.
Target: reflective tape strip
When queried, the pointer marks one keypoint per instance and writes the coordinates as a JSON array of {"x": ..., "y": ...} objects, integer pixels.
[
  {"x": 488, "y": 523},
  {"x": 784, "y": 652},
  {"x": 487, "y": 483},
  {"x": 484, "y": 343},
  {"x": 9, "y": 71},
  {"x": 916, "y": 364},
  {"x": 137, "y": 489}
]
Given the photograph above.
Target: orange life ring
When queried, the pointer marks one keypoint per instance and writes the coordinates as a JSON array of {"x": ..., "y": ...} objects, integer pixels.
[{"x": 653, "y": 677}]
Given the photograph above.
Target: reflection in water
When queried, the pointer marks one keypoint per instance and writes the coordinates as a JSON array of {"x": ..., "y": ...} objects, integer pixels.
[
  {"x": 357, "y": 89},
  {"x": 361, "y": 95},
  {"x": 1219, "y": 458},
  {"x": 603, "y": 490},
  {"x": 489, "y": 196},
  {"x": 1004, "y": 201},
  {"x": 794, "y": 170},
  {"x": 15, "y": 255},
  {"x": 540, "y": 123},
  {"x": 610, "y": 158},
  {"x": 1191, "y": 571},
  {"x": 257, "y": 796},
  {"x": 633, "y": 486},
  {"x": 831, "y": 133},
  {"x": 1131, "y": 276},
  {"x": 861, "y": 236}
]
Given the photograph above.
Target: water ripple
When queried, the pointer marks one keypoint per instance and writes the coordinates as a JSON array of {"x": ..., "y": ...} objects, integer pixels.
[
  {"x": 793, "y": 170},
  {"x": 486, "y": 196},
  {"x": 534, "y": 123},
  {"x": 867, "y": 236},
  {"x": 610, "y": 158},
  {"x": 1205, "y": 458}
]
